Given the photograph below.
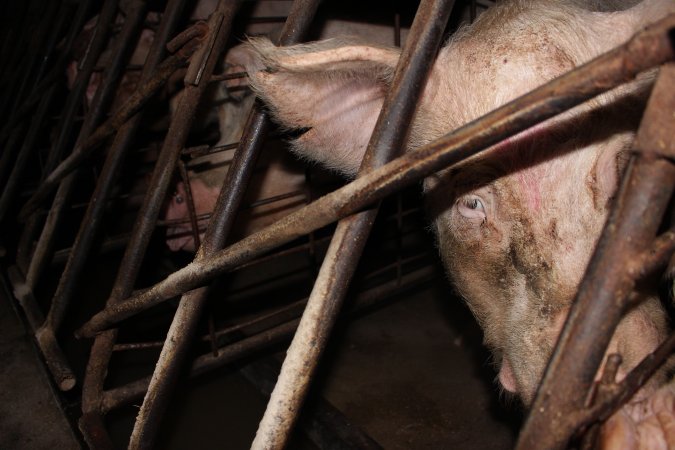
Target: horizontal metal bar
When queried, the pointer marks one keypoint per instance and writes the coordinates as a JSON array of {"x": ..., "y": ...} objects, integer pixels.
[{"x": 648, "y": 48}]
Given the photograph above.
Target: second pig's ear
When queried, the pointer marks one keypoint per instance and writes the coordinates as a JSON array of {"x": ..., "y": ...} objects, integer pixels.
[{"x": 334, "y": 89}]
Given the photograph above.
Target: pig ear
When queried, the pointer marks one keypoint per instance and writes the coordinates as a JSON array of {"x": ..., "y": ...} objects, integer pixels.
[{"x": 333, "y": 89}]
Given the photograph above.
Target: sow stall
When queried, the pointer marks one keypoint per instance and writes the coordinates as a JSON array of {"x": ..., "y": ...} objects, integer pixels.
[{"x": 82, "y": 182}]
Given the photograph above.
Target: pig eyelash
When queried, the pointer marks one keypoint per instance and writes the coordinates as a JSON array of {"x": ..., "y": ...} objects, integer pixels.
[{"x": 472, "y": 207}]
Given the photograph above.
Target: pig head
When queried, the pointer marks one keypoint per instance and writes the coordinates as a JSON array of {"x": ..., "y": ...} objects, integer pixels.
[{"x": 516, "y": 226}]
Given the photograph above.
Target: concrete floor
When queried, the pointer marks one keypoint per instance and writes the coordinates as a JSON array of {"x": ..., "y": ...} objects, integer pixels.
[
  {"x": 411, "y": 374},
  {"x": 30, "y": 414}
]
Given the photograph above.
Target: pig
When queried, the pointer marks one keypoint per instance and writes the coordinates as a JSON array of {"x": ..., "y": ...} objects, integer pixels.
[
  {"x": 516, "y": 225},
  {"x": 277, "y": 173}
]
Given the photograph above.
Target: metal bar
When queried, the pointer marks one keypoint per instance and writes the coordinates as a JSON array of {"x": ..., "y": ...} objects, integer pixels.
[
  {"x": 117, "y": 397},
  {"x": 97, "y": 366},
  {"x": 344, "y": 251},
  {"x": 147, "y": 216},
  {"x": 323, "y": 424},
  {"x": 46, "y": 335},
  {"x": 189, "y": 310},
  {"x": 137, "y": 100},
  {"x": 66, "y": 121},
  {"x": 603, "y": 295},
  {"x": 646, "y": 49}
]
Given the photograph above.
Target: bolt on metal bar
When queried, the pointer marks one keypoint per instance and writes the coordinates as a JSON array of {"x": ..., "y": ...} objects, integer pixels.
[
  {"x": 648, "y": 48},
  {"x": 189, "y": 310},
  {"x": 346, "y": 247},
  {"x": 603, "y": 295},
  {"x": 100, "y": 354},
  {"x": 46, "y": 335}
]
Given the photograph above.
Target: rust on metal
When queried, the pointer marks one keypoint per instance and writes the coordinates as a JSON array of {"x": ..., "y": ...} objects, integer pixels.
[
  {"x": 347, "y": 245},
  {"x": 134, "y": 104},
  {"x": 648, "y": 48},
  {"x": 604, "y": 293}
]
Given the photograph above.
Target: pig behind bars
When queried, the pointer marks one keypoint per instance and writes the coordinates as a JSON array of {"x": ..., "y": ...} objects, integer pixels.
[
  {"x": 516, "y": 226},
  {"x": 277, "y": 173}
]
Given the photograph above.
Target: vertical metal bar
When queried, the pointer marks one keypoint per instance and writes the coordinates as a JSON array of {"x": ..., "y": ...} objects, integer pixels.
[
  {"x": 190, "y": 201},
  {"x": 46, "y": 335},
  {"x": 192, "y": 303},
  {"x": 645, "y": 50},
  {"x": 100, "y": 353},
  {"x": 66, "y": 121},
  {"x": 347, "y": 244},
  {"x": 603, "y": 295},
  {"x": 189, "y": 310}
]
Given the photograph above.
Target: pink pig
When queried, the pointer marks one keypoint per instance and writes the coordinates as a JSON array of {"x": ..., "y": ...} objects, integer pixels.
[{"x": 517, "y": 225}]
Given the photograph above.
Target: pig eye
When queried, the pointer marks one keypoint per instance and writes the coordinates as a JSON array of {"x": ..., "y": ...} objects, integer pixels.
[
  {"x": 178, "y": 198},
  {"x": 471, "y": 207}
]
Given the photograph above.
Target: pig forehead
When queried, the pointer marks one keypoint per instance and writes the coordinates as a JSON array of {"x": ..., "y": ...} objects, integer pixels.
[{"x": 484, "y": 75}]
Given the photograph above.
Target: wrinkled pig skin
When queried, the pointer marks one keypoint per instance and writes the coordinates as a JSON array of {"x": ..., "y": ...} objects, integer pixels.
[{"x": 516, "y": 226}]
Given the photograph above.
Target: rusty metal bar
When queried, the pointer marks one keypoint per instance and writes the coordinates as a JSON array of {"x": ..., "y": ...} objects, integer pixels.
[
  {"x": 618, "y": 394},
  {"x": 67, "y": 119},
  {"x": 322, "y": 423},
  {"x": 189, "y": 310},
  {"x": 91, "y": 222},
  {"x": 648, "y": 48},
  {"x": 137, "y": 100},
  {"x": 119, "y": 396},
  {"x": 100, "y": 353},
  {"x": 344, "y": 251},
  {"x": 219, "y": 23},
  {"x": 46, "y": 335},
  {"x": 603, "y": 295}
]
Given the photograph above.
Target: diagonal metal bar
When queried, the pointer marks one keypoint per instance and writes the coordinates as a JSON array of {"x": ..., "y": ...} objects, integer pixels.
[
  {"x": 219, "y": 26},
  {"x": 97, "y": 365},
  {"x": 183, "y": 326},
  {"x": 603, "y": 295},
  {"x": 346, "y": 247},
  {"x": 67, "y": 119},
  {"x": 648, "y": 48},
  {"x": 137, "y": 100},
  {"x": 46, "y": 335}
]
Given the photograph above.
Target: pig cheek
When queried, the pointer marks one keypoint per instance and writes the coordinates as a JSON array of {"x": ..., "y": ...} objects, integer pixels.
[{"x": 475, "y": 264}]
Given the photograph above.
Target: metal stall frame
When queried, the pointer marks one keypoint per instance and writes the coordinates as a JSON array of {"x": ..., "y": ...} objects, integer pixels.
[
  {"x": 559, "y": 414},
  {"x": 649, "y": 48}
]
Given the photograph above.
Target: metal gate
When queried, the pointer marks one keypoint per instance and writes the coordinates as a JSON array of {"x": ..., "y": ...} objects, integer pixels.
[{"x": 63, "y": 167}]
